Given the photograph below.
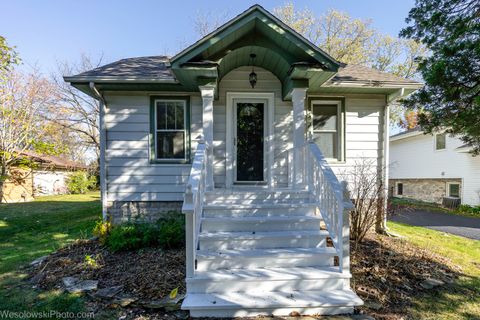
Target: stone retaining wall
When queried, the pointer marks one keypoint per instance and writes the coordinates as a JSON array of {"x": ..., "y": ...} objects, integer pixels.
[{"x": 148, "y": 211}]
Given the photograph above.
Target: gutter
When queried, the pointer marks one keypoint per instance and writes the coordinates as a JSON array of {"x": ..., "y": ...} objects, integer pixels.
[{"x": 103, "y": 143}]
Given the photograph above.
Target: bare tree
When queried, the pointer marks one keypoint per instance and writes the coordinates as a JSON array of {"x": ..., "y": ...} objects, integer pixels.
[
  {"x": 206, "y": 22},
  {"x": 366, "y": 188},
  {"x": 23, "y": 97},
  {"x": 74, "y": 110}
]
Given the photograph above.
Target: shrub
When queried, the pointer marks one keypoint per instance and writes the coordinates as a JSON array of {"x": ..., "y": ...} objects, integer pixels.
[
  {"x": 79, "y": 182},
  {"x": 167, "y": 233},
  {"x": 465, "y": 208},
  {"x": 171, "y": 232},
  {"x": 102, "y": 230}
]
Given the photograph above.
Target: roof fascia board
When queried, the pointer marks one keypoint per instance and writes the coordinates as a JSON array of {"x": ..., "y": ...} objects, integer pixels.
[{"x": 406, "y": 135}]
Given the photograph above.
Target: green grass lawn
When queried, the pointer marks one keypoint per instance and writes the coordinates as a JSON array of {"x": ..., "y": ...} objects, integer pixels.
[
  {"x": 428, "y": 206},
  {"x": 31, "y": 230},
  {"x": 34, "y": 229},
  {"x": 460, "y": 300}
]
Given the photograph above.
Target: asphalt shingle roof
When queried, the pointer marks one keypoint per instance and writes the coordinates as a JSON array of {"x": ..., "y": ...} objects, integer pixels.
[
  {"x": 356, "y": 72},
  {"x": 158, "y": 67},
  {"x": 139, "y": 67}
]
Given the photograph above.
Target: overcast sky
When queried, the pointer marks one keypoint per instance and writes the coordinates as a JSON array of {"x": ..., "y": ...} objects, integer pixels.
[{"x": 47, "y": 31}]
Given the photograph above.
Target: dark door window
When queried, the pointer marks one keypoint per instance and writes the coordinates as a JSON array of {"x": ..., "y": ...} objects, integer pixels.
[{"x": 249, "y": 142}]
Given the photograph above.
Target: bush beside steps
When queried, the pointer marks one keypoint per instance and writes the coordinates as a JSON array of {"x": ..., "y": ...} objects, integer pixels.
[{"x": 166, "y": 233}]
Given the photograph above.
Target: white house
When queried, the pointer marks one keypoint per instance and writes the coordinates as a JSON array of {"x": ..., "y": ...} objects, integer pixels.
[
  {"x": 430, "y": 167},
  {"x": 222, "y": 131}
]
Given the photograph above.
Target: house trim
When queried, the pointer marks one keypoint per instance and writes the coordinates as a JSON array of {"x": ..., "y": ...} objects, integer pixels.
[{"x": 153, "y": 121}]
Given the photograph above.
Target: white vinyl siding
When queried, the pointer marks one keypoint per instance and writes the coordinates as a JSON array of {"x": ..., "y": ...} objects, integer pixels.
[
  {"x": 364, "y": 133},
  {"x": 416, "y": 158},
  {"x": 130, "y": 174},
  {"x": 132, "y": 177}
]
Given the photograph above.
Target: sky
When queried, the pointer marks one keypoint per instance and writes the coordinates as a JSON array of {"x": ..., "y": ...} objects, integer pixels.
[{"x": 50, "y": 31}]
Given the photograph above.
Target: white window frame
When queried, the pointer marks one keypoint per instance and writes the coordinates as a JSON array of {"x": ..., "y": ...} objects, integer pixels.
[
  {"x": 396, "y": 189},
  {"x": 314, "y": 101},
  {"x": 185, "y": 131},
  {"x": 435, "y": 142},
  {"x": 459, "y": 189}
]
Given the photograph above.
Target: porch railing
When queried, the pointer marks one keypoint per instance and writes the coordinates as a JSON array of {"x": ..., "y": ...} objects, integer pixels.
[
  {"x": 193, "y": 206},
  {"x": 331, "y": 198}
]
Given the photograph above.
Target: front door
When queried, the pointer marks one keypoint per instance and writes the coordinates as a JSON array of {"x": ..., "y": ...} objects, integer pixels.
[{"x": 249, "y": 141}]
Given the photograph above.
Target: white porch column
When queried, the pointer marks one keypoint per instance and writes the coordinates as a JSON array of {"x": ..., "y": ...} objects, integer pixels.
[
  {"x": 208, "y": 92},
  {"x": 298, "y": 101}
]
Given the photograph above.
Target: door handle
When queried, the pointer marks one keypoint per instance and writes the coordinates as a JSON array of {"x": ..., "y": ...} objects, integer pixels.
[{"x": 234, "y": 141}]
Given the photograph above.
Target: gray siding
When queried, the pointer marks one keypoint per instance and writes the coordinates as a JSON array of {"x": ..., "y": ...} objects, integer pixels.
[{"x": 130, "y": 175}]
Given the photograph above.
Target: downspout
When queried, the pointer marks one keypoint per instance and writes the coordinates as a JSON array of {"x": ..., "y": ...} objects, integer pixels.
[
  {"x": 386, "y": 162},
  {"x": 103, "y": 136}
]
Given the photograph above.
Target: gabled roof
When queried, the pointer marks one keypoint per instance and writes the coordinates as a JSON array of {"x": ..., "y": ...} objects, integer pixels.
[{"x": 293, "y": 59}]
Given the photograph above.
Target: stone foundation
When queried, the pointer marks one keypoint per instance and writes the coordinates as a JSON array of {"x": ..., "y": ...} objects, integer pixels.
[
  {"x": 145, "y": 211},
  {"x": 429, "y": 190}
]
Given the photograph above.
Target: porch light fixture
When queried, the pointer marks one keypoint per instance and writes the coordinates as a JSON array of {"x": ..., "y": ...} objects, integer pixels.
[{"x": 253, "y": 76}]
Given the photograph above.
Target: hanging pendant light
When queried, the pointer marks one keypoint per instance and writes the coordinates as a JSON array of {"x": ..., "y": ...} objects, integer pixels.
[{"x": 252, "y": 78}]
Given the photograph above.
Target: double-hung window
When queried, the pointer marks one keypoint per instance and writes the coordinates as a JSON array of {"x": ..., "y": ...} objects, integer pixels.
[
  {"x": 170, "y": 130},
  {"x": 326, "y": 127}
]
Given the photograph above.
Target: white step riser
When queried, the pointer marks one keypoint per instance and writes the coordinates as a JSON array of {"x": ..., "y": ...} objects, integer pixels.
[
  {"x": 280, "y": 242},
  {"x": 257, "y": 195},
  {"x": 249, "y": 226},
  {"x": 231, "y": 313},
  {"x": 256, "y": 201},
  {"x": 321, "y": 260},
  {"x": 259, "y": 212},
  {"x": 210, "y": 286}
]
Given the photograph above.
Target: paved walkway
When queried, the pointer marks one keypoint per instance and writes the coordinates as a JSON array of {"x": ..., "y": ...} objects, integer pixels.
[{"x": 459, "y": 225}]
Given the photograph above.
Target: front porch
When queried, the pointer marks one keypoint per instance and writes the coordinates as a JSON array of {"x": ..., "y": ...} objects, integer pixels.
[
  {"x": 258, "y": 250},
  {"x": 267, "y": 227}
]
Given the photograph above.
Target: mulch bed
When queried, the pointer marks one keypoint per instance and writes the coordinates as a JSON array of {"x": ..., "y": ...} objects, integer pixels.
[
  {"x": 387, "y": 273},
  {"x": 146, "y": 274}
]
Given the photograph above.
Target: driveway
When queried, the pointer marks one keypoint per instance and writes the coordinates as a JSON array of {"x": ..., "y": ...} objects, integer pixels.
[{"x": 461, "y": 226}]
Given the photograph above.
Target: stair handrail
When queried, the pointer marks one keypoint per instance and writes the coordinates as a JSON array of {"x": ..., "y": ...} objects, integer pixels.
[
  {"x": 193, "y": 205},
  {"x": 331, "y": 198}
]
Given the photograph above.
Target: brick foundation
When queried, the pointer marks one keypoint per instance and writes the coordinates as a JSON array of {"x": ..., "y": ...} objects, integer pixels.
[
  {"x": 147, "y": 211},
  {"x": 429, "y": 190}
]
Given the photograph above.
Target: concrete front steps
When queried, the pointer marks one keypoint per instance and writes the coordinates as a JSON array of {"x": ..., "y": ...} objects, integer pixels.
[{"x": 264, "y": 253}]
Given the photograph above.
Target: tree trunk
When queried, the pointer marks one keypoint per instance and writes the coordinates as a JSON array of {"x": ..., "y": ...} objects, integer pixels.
[
  {"x": 3, "y": 178},
  {"x": 380, "y": 226}
]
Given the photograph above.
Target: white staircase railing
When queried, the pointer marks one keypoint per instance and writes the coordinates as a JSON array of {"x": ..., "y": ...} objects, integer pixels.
[
  {"x": 331, "y": 198},
  {"x": 193, "y": 206}
]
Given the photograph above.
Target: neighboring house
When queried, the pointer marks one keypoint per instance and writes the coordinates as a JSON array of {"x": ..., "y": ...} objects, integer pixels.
[
  {"x": 430, "y": 167},
  {"x": 48, "y": 176},
  {"x": 220, "y": 128}
]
